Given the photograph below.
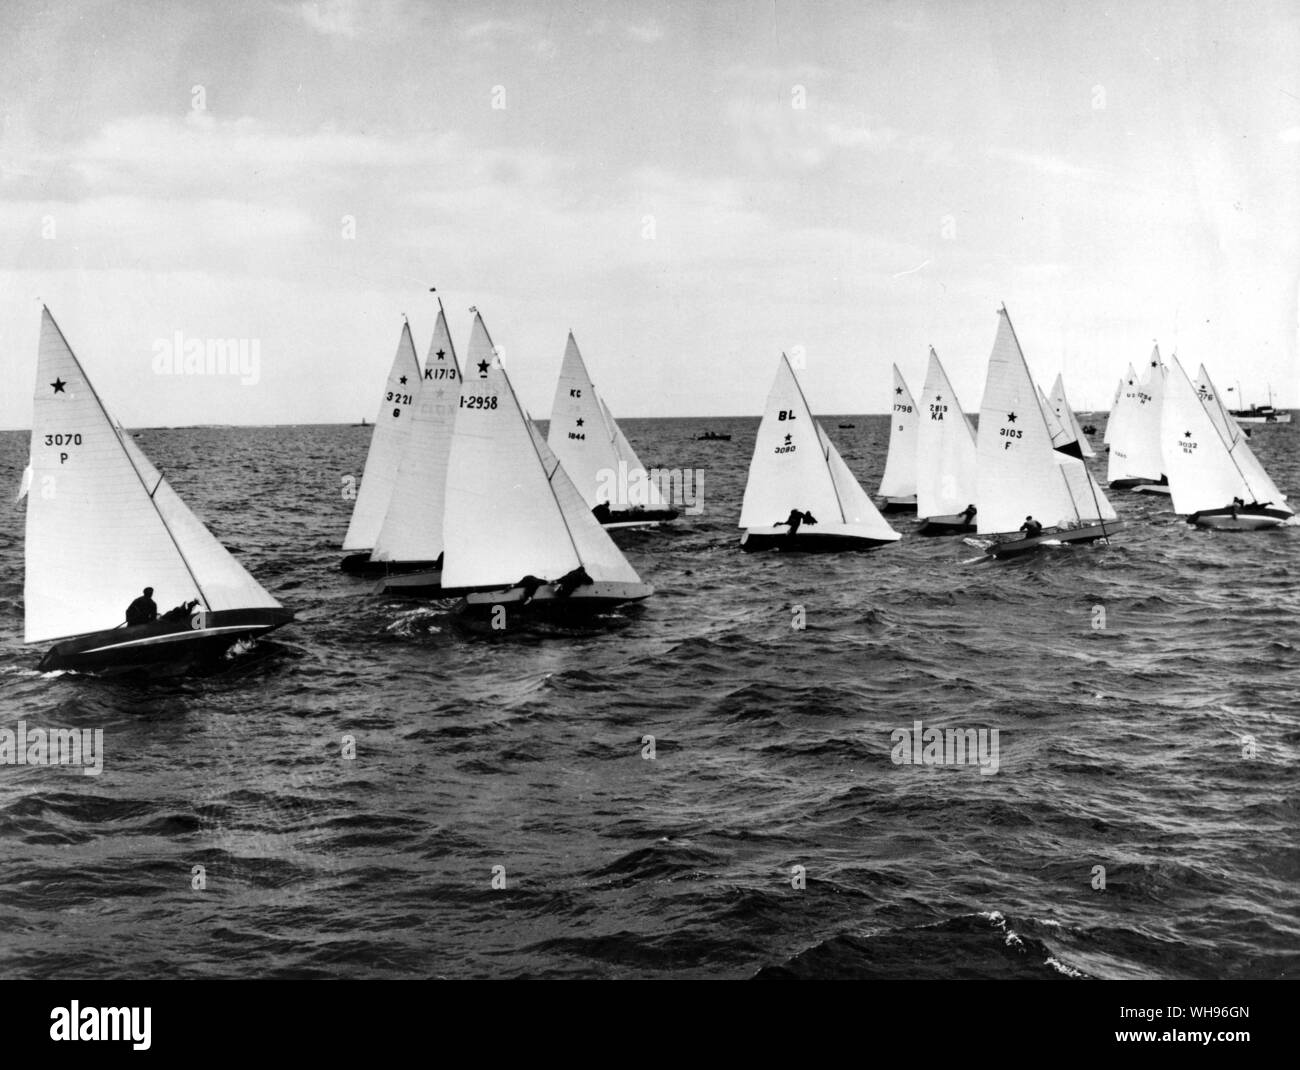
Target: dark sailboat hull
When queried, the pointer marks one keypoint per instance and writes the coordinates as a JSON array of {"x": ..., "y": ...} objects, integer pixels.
[
  {"x": 546, "y": 603},
  {"x": 363, "y": 565},
  {"x": 899, "y": 505},
  {"x": 164, "y": 645},
  {"x": 809, "y": 542},
  {"x": 953, "y": 524}
]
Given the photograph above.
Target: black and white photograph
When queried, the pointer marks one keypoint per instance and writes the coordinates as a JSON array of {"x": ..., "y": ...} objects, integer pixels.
[{"x": 641, "y": 491}]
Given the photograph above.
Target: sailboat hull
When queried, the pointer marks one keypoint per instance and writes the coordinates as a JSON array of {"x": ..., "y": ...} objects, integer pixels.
[
  {"x": 163, "y": 644},
  {"x": 637, "y": 518},
  {"x": 545, "y": 601},
  {"x": 363, "y": 565},
  {"x": 1015, "y": 546},
  {"x": 899, "y": 505},
  {"x": 414, "y": 584},
  {"x": 808, "y": 540},
  {"x": 1130, "y": 484},
  {"x": 1255, "y": 519},
  {"x": 953, "y": 524}
]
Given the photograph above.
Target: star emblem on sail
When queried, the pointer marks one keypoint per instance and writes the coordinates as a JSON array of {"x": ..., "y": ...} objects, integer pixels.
[
  {"x": 945, "y": 459},
  {"x": 112, "y": 526},
  {"x": 387, "y": 442},
  {"x": 811, "y": 478}
]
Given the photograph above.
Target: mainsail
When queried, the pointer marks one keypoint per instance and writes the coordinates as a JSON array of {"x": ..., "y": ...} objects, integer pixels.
[
  {"x": 1230, "y": 430},
  {"x": 1207, "y": 470},
  {"x": 899, "y": 479},
  {"x": 945, "y": 448},
  {"x": 387, "y": 443},
  {"x": 1115, "y": 418},
  {"x": 584, "y": 435},
  {"x": 1020, "y": 473},
  {"x": 412, "y": 527},
  {"x": 796, "y": 466},
  {"x": 102, "y": 523},
  {"x": 511, "y": 510}
]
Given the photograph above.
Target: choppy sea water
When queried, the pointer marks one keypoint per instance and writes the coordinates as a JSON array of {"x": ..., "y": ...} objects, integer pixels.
[{"x": 1123, "y": 746}]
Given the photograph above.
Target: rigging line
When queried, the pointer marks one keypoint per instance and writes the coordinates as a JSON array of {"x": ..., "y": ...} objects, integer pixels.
[{"x": 817, "y": 430}]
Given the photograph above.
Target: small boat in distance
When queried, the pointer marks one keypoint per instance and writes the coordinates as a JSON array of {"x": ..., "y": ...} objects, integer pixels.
[
  {"x": 1019, "y": 472},
  {"x": 392, "y": 426},
  {"x": 898, "y": 483},
  {"x": 712, "y": 436},
  {"x": 363, "y": 423},
  {"x": 520, "y": 538},
  {"x": 116, "y": 526},
  {"x": 800, "y": 495},
  {"x": 846, "y": 426}
]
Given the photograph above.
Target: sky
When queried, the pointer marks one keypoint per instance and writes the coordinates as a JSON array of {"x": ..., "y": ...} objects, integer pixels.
[{"x": 692, "y": 188}]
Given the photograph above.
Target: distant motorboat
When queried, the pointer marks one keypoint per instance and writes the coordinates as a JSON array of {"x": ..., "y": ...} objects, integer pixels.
[
  {"x": 848, "y": 425},
  {"x": 712, "y": 436}
]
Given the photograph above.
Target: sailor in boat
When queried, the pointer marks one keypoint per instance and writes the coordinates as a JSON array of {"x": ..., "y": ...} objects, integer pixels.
[
  {"x": 1031, "y": 527},
  {"x": 564, "y": 586},
  {"x": 968, "y": 514},
  {"x": 1237, "y": 503},
  {"x": 143, "y": 610},
  {"x": 796, "y": 518},
  {"x": 181, "y": 612},
  {"x": 601, "y": 512}
]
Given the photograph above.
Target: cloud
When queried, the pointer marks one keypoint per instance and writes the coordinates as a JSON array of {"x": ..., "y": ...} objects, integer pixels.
[
  {"x": 647, "y": 33},
  {"x": 333, "y": 18},
  {"x": 1047, "y": 165}
]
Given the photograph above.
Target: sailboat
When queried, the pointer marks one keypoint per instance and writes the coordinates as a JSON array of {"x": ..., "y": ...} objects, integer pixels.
[
  {"x": 1020, "y": 474},
  {"x": 1135, "y": 459},
  {"x": 945, "y": 458},
  {"x": 1214, "y": 478},
  {"x": 800, "y": 494},
  {"x": 898, "y": 484},
  {"x": 102, "y": 523},
  {"x": 409, "y": 545},
  {"x": 584, "y": 435},
  {"x": 518, "y": 534},
  {"x": 1114, "y": 418},
  {"x": 1061, "y": 407},
  {"x": 387, "y": 442}
]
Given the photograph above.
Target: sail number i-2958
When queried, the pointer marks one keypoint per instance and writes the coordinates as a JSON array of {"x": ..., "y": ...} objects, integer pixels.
[{"x": 478, "y": 401}]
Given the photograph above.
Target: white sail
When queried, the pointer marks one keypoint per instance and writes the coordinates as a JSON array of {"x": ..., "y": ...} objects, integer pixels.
[
  {"x": 511, "y": 511},
  {"x": 639, "y": 492},
  {"x": 899, "y": 479},
  {"x": 857, "y": 510},
  {"x": 584, "y": 435},
  {"x": 412, "y": 527},
  {"x": 387, "y": 443},
  {"x": 1230, "y": 430},
  {"x": 1019, "y": 472},
  {"x": 1205, "y": 469},
  {"x": 1114, "y": 417},
  {"x": 1135, "y": 454},
  {"x": 1061, "y": 407},
  {"x": 102, "y": 524},
  {"x": 1062, "y": 436},
  {"x": 788, "y": 469},
  {"x": 945, "y": 448}
]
